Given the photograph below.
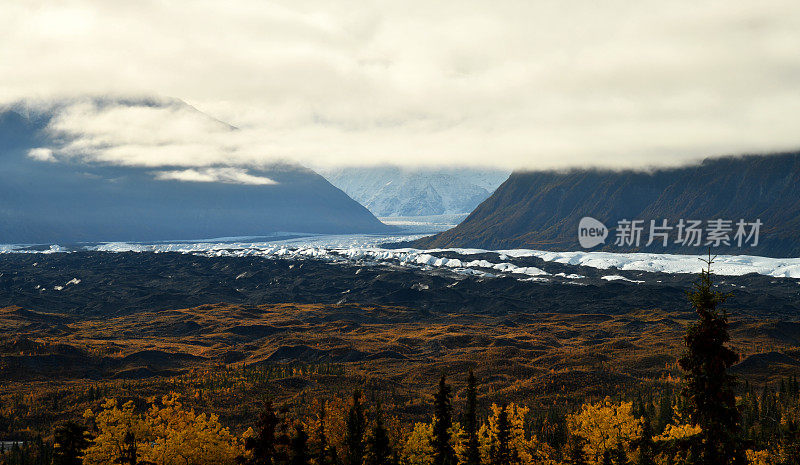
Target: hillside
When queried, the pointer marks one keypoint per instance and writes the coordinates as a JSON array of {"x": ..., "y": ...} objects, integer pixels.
[
  {"x": 69, "y": 200},
  {"x": 541, "y": 210},
  {"x": 389, "y": 191}
]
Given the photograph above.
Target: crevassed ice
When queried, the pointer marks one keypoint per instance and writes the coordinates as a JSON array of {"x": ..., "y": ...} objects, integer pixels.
[
  {"x": 366, "y": 248},
  {"x": 616, "y": 277}
]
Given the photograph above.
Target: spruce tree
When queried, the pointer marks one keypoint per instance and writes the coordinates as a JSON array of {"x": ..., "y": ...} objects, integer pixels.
[
  {"x": 380, "y": 451},
  {"x": 577, "y": 451},
  {"x": 299, "y": 446},
  {"x": 664, "y": 409},
  {"x": 129, "y": 452},
  {"x": 354, "y": 434},
  {"x": 790, "y": 444},
  {"x": 618, "y": 455},
  {"x": 709, "y": 390},
  {"x": 607, "y": 458},
  {"x": 443, "y": 452},
  {"x": 502, "y": 454},
  {"x": 472, "y": 451},
  {"x": 770, "y": 415},
  {"x": 69, "y": 441},
  {"x": 262, "y": 445},
  {"x": 646, "y": 443},
  {"x": 323, "y": 451}
]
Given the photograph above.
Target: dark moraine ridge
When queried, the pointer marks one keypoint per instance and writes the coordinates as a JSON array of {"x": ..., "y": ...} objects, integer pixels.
[
  {"x": 541, "y": 210},
  {"x": 129, "y": 283}
]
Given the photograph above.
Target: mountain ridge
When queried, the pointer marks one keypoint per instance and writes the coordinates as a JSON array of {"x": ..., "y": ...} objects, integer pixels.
[
  {"x": 542, "y": 209},
  {"x": 68, "y": 200}
]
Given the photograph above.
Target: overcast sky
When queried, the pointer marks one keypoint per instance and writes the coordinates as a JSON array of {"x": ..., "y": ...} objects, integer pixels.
[{"x": 533, "y": 84}]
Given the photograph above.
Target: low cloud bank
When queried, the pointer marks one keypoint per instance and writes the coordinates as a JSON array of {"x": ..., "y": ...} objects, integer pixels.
[
  {"x": 223, "y": 175},
  {"x": 513, "y": 85}
]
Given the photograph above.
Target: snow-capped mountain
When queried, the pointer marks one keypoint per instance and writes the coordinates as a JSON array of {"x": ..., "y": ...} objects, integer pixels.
[{"x": 389, "y": 191}]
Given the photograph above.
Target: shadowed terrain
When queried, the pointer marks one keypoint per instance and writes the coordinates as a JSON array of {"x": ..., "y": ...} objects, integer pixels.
[{"x": 541, "y": 210}]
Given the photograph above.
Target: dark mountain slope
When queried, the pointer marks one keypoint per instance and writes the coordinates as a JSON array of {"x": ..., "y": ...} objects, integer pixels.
[
  {"x": 71, "y": 201},
  {"x": 541, "y": 210}
]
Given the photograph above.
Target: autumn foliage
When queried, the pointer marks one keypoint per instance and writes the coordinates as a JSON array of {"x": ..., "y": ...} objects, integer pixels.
[{"x": 166, "y": 434}]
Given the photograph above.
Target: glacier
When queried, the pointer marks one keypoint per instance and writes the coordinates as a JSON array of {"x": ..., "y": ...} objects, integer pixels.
[{"x": 368, "y": 249}]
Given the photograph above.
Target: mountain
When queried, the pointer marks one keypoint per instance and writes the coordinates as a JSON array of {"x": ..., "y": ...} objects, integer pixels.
[
  {"x": 69, "y": 200},
  {"x": 542, "y": 210},
  {"x": 394, "y": 191}
]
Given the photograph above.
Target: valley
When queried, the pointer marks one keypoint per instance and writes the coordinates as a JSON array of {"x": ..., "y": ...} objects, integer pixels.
[{"x": 137, "y": 324}]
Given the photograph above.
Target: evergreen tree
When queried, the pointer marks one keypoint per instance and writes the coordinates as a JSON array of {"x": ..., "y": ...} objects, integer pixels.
[
  {"x": 323, "y": 453},
  {"x": 770, "y": 417},
  {"x": 128, "y": 455},
  {"x": 664, "y": 409},
  {"x": 472, "y": 451},
  {"x": 650, "y": 409},
  {"x": 299, "y": 446},
  {"x": 502, "y": 453},
  {"x": 380, "y": 451},
  {"x": 262, "y": 446},
  {"x": 69, "y": 441},
  {"x": 552, "y": 429},
  {"x": 577, "y": 452},
  {"x": 709, "y": 390},
  {"x": 750, "y": 410},
  {"x": 791, "y": 444},
  {"x": 354, "y": 435},
  {"x": 782, "y": 391},
  {"x": 443, "y": 452},
  {"x": 283, "y": 438},
  {"x": 618, "y": 455},
  {"x": 646, "y": 443}
]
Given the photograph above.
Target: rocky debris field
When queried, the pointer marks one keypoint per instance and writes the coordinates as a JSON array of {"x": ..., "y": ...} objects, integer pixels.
[{"x": 104, "y": 283}]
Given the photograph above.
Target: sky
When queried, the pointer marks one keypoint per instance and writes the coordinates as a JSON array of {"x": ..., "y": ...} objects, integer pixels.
[{"x": 509, "y": 84}]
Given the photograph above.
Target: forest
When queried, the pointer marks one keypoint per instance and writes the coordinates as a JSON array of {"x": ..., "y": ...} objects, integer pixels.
[{"x": 707, "y": 416}]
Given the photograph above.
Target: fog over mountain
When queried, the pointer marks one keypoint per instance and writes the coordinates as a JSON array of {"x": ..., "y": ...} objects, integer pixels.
[
  {"x": 52, "y": 195},
  {"x": 395, "y": 191}
]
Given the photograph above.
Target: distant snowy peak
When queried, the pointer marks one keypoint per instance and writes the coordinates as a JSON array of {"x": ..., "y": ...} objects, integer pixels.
[{"x": 389, "y": 191}]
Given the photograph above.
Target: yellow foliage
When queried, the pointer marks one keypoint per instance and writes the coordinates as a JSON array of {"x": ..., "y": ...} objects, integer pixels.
[
  {"x": 417, "y": 449},
  {"x": 113, "y": 424},
  {"x": 167, "y": 434},
  {"x": 336, "y": 410},
  {"x": 679, "y": 431},
  {"x": 759, "y": 457},
  {"x": 528, "y": 450},
  {"x": 182, "y": 436},
  {"x": 604, "y": 425}
]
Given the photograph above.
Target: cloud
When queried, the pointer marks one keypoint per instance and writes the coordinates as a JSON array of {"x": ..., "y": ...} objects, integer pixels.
[
  {"x": 223, "y": 175},
  {"x": 511, "y": 84},
  {"x": 42, "y": 154}
]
